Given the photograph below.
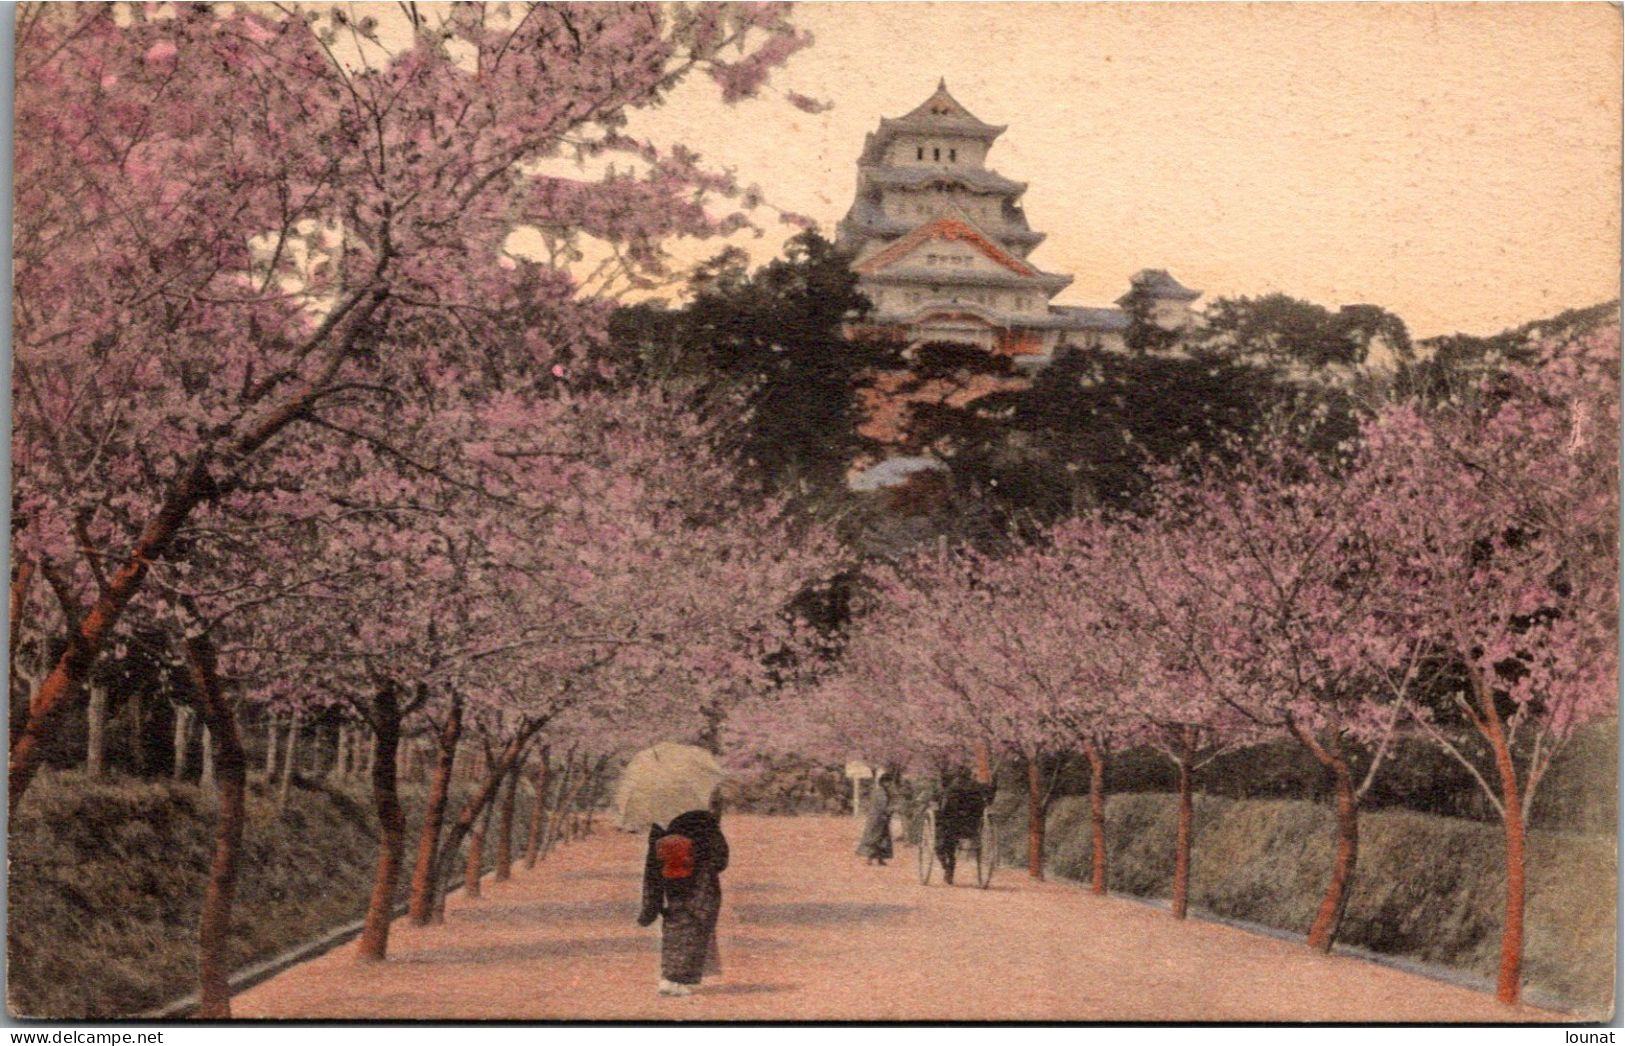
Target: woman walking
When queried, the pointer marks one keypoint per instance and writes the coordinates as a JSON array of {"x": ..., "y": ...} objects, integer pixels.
[
  {"x": 682, "y": 882},
  {"x": 875, "y": 844}
]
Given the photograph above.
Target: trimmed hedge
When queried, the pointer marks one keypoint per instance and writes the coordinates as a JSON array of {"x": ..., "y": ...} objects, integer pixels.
[
  {"x": 106, "y": 885},
  {"x": 1427, "y": 888},
  {"x": 1580, "y": 793},
  {"x": 789, "y": 785}
]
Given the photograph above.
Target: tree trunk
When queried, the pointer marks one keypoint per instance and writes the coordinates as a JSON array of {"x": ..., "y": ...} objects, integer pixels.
[
  {"x": 475, "y": 866},
  {"x": 96, "y": 733},
  {"x": 289, "y": 753},
  {"x": 85, "y": 642},
  {"x": 424, "y": 888},
  {"x": 205, "y": 777},
  {"x": 538, "y": 812},
  {"x": 594, "y": 790},
  {"x": 138, "y": 733},
  {"x": 270, "y": 749},
  {"x": 1508, "y": 985},
  {"x": 566, "y": 824},
  {"x": 472, "y": 811},
  {"x": 386, "y": 719},
  {"x": 214, "y": 931},
  {"x": 984, "y": 765},
  {"x": 183, "y": 735},
  {"x": 22, "y": 578},
  {"x": 194, "y": 485},
  {"x": 324, "y": 759},
  {"x": 1509, "y": 980},
  {"x": 1182, "y": 842},
  {"x": 561, "y": 799},
  {"x": 1097, "y": 818},
  {"x": 504, "y": 865},
  {"x": 1035, "y": 819},
  {"x": 1323, "y": 931}
]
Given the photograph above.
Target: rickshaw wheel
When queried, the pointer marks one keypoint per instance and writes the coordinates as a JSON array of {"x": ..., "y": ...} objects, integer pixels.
[
  {"x": 927, "y": 854},
  {"x": 987, "y": 852}
]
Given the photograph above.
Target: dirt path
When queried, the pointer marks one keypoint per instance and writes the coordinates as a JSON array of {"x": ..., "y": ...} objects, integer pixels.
[{"x": 809, "y": 932}]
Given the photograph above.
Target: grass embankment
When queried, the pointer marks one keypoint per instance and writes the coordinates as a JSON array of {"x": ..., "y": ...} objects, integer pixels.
[
  {"x": 1428, "y": 888},
  {"x": 106, "y": 883}
]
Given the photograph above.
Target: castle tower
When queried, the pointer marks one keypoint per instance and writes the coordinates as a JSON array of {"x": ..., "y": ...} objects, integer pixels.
[
  {"x": 940, "y": 246},
  {"x": 941, "y": 242},
  {"x": 1166, "y": 300}
]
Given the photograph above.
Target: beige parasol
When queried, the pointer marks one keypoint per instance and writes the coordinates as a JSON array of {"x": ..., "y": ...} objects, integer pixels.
[{"x": 666, "y": 780}]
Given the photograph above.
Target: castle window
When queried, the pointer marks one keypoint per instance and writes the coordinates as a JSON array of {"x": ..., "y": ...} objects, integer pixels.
[
  {"x": 936, "y": 154},
  {"x": 953, "y": 155},
  {"x": 919, "y": 152}
]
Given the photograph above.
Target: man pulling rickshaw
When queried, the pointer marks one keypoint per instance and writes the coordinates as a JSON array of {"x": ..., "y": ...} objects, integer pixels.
[{"x": 960, "y": 819}]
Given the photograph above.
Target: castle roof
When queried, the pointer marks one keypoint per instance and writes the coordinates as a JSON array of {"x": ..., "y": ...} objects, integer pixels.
[
  {"x": 975, "y": 178},
  {"x": 1156, "y": 283},
  {"x": 917, "y": 274},
  {"x": 940, "y": 114},
  {"x": 945, "y": 228},
  {"x": 866, "y": 218}
]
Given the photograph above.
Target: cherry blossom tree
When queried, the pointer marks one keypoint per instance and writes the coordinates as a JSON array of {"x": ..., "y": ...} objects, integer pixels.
[
  {"x": 237, "y": 227},
  {"x": 1257, "y": 575},
  {"x": 1128, "y": 699},
  {"x": 260, "y": 254},
  {"x": 964, "y": 648},
  {"x": 1046, "y": 651},
  {"x": 1495, "y": 530},
  {"x": 638, "y": 604},
  {"x": 1169, "y": 688}
]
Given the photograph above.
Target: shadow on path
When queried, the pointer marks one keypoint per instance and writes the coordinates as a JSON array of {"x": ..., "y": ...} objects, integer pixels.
[
  {"x": 546, "y": 912},
  {"x": 735, "y": 943},
  {"x": 566, "y": 948},
  {"x": 746, "y": 989},
  {"x": 818, "y": 913},
  {"x": 597, "y": 874}
]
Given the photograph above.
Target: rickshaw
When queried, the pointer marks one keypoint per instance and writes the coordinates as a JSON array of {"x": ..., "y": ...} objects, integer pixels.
[{"x": 983, "y": 848}]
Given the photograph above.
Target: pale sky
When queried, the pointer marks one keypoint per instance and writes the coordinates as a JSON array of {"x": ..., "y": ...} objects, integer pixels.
[{"x": 1456, "y": 163}]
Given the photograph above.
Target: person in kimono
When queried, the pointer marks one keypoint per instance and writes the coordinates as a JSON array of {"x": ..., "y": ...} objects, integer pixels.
[
  {"x": 682, "y": 883},
  {"x": 875, "y": 844}
]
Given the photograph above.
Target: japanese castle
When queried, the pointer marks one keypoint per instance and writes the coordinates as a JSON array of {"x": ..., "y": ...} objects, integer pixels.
[{"x": 941, "y": 246}]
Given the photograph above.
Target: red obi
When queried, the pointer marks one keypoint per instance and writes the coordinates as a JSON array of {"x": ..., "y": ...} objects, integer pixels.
[{"x": 676, "y": 853}]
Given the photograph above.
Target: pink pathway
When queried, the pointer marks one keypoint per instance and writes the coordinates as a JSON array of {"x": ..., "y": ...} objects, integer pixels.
[{"x": 809, "y": 932}]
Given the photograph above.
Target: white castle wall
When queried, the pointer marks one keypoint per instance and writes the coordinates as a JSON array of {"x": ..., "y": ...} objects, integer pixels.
[{"x": 940, "y": 150}]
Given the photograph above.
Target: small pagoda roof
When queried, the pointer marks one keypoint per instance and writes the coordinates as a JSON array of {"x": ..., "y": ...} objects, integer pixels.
[
  {"x": 939, "y": 114},
  {"x": 1156, "y": 283}
]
